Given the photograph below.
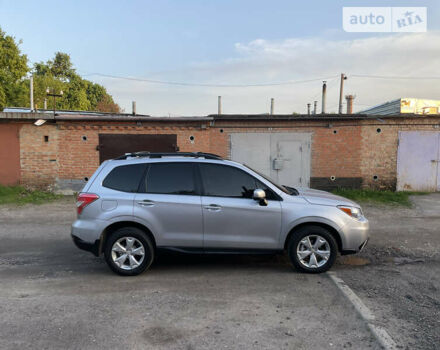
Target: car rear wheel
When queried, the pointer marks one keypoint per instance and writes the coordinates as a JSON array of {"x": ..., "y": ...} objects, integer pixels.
[
  {"x": 312, "y": 249},
  {"x": 129, "y": 251}
]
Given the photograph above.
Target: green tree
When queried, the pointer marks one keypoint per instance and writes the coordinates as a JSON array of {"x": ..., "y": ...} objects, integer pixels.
[
  {"x": 13, "y": 69},
  {"x": 79, "y": 94},
  {"x": 57, "y": 74}
]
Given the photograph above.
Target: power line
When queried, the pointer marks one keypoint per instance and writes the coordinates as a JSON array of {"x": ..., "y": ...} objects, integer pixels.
[
  {"x": 393, "y": 77},
  {"x": 290, "y": 82}
]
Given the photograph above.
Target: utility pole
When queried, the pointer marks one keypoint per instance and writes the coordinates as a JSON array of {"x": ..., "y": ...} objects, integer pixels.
[
  {"x": 324, "y": 92},
  {"x": 45, "y": 104},
  {"x": 31, "y": 92},
  {"x": 48, "y": 93},
  {"x": 341, "y": 91},
  {"x": 219, "y": 105},
  {"x": 272, "y": 106}
]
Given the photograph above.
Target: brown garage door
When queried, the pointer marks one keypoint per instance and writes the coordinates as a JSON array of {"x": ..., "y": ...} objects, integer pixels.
[
  {"x": 9, "y": 154},
  {"x": 115, "y": 145}
]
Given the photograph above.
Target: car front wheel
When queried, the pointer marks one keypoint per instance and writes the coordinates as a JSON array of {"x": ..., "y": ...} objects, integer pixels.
[
  {"x": 312, "y": 249},
  {"x": 129, "y": 251}
]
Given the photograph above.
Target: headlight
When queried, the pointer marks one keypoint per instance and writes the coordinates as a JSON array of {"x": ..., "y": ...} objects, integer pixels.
[{"x": 354, "y": 212}]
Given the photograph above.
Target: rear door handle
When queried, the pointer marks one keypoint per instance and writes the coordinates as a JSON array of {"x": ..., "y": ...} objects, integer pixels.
[
  {"x": 146, "y": 203},
  {"x": 213, "y": 207}
]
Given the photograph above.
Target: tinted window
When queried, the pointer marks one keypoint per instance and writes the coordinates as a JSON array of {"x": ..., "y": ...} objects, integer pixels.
[
  {"x": 226, "y": 181},
  {"x": 125, "y": 178},
  {"x": 170, "y": 178}
]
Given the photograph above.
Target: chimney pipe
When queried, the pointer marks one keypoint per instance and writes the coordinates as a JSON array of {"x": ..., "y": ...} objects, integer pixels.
[
  {"x": 349, "y": 99},
  {"x": 324, "y": 93},
  {"x": 133, "y": 107},
  {"x": 315, "y": 107},
  {"x": 219, "y": 105},
  {"x": 308, "y": 108},
  {"x": 272, "y": 103},
  {"x": 31, "y": 91}
]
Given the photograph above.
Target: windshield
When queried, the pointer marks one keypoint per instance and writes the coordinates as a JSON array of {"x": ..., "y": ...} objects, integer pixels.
[{"x": 285, "y": 189}]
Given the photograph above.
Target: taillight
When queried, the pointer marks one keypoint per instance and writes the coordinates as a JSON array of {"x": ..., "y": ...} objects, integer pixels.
[{"x": 83, "y": 200}]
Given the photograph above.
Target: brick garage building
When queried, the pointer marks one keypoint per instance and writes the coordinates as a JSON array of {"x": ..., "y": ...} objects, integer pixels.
[{"x": 325, "y": 150}]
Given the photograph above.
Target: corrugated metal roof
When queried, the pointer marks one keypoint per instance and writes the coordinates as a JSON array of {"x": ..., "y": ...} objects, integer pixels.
[
  {"x": 406, "y": 105},
  {"x": 387, "y": 108}
]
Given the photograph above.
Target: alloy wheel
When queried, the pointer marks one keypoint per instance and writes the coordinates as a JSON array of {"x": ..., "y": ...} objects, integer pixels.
[
  {"x": 313, "y": 251},
  {"x": 128, "y": 253}
]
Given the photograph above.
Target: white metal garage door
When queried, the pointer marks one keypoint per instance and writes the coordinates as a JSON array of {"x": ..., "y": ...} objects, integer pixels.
[
  {"x": 285, "y": 157},
  {"x": 418, "y": 161}
]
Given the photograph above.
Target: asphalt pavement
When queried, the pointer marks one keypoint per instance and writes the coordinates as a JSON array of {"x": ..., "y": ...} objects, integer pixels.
[{"x": 53, "y": 295}]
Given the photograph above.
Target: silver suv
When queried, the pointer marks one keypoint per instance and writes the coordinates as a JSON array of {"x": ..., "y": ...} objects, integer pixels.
[{"x": 200, "y": 203}]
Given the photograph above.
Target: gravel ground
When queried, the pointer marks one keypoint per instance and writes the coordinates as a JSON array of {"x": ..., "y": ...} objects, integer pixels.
[
  {"x": 398, "y": 274},
  {"x": 53, "y": 295}
]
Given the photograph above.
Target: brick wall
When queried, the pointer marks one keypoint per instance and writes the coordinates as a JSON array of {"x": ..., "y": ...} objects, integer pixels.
[
  {"x": 79, "y": 158},
  {"x": 379, "y": 149},
  {"x": 335, "y": 150},
  {"x": 355, "y": 152},
  {"x": 38, "y": 154}
]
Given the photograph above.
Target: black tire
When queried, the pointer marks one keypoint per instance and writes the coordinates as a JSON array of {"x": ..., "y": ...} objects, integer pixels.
[
  {"x": 141, "y": 238},
  {"x": 295, "y": 240}
]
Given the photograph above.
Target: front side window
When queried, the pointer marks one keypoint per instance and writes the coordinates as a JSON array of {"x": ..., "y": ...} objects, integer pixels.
[
  {"x": 170, "y": 178},
  {"x": 226, "y": 181},
  {"x": 125, "y": 178}
]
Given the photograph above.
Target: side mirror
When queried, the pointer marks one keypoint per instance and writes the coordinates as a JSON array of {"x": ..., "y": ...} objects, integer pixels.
[{"x": 260, "y": 196}]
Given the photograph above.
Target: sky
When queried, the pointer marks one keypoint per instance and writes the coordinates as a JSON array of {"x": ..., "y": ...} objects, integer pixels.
[{"x": 227, "y": 42}]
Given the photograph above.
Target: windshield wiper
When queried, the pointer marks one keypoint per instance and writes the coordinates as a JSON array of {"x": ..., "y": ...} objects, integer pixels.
[{"x": 293, "y": 191}]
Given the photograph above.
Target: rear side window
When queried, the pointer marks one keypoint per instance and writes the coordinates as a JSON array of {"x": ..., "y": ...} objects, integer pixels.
[
  {"x": 227, "y": 181},
  {"x": 125, "y": 178},
  {"x": 170, "y": 178}
]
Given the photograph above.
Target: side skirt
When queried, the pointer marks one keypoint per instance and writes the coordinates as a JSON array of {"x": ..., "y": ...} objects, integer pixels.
[{"x": 189, "y": 250}]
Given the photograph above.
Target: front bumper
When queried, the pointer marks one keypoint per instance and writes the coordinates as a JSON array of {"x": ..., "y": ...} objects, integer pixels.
[
  {"x": 354, "y": 251},
  {"x": 355, "y": 236},
  {"x": 90, "y": 247}
]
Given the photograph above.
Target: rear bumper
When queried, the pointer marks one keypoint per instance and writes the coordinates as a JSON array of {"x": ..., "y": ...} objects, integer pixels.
[{"x": 90, "y": 247}]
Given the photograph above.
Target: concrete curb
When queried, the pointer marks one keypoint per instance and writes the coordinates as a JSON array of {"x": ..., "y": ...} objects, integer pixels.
[{"x": 365, "y": 313}]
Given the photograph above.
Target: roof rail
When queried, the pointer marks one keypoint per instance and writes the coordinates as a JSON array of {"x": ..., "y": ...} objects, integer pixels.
[{"x": 169, "y": 154}]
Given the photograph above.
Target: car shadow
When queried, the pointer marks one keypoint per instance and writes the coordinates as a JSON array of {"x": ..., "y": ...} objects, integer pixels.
[{"x": 174, "y": 260}]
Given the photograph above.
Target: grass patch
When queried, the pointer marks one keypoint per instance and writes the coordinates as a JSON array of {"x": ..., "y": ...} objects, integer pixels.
[
  {"x": 21, "y": 195},
  {"x": 373, "y": 196}
]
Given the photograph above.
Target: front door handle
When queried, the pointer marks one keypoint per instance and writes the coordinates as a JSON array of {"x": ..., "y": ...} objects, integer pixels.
[
  {"x": 213, "y": 207},
  {"x": 146, "y": 203}
]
